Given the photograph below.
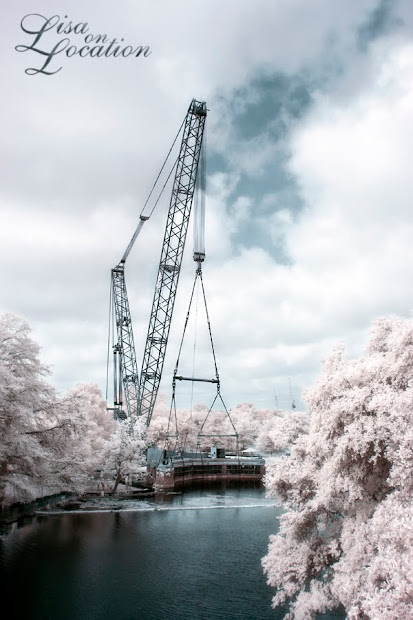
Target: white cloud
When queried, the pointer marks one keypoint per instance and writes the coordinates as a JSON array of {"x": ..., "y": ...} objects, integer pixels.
[
  {"x": 81, "y": 150},
  {"x": 351, "y": 247}
]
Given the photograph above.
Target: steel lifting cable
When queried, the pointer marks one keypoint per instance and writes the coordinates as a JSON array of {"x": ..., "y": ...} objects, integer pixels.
[
  {"x": 235, "y": 434},
  {"x": 199, "y": 273},
  {"x": 193, "y": 355},
  {"x": 144, "y": 218},
  {"x": 172, "y": 408},
  {"x": 185, "y": 326},
  {"x": 173, "y": 400},
  {"x": 162, "y": 190},
  {"x": 160, "y": 172},
  {"x": 218, "y": 395}
]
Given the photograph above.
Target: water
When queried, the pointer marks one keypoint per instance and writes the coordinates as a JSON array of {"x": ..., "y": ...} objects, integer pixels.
[{"x": 193, "y": 556}]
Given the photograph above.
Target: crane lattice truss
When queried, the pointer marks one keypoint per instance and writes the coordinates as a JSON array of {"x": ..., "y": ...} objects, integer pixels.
[
  {"x": 171, "y": 257},
  {"x": 126, "y": 380}
]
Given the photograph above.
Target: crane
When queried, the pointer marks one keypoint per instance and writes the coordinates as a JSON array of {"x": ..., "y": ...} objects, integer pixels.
[
  {"x": 140, "y": 396},
  {"x": 125, "y": 375},
  {"x": 171, "y": 257}
]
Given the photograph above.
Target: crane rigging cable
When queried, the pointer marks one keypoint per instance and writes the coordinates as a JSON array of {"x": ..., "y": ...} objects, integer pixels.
[
  {"x": 216, "y": 380},
  {"x": 143, "y": 218},
  {"x": 160, "y": 172},
  {"x": 194, "y": 353}
]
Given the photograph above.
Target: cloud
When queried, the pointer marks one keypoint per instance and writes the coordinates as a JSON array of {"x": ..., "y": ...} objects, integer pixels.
[
  {"x": 350, "y": 248},
  {"x": 308, "y": 218}
]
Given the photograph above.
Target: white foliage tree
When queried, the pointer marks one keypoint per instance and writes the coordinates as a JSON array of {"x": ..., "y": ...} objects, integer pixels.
[
  {"x": 25, "y": 397},
  {"x": 346, "y": 536},
  {"x": 280, "y": 431},
  {"x": 82, "y": 426},
  {"x": 124, "y": 452},
  {"x": 49, "y": 443},
  {"x": 265, "y": 429}
]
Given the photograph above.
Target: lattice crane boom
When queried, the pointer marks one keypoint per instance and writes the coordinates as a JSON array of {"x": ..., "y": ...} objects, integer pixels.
[
  {"x": 131, "y": 396},
  {"x": 126, "y": 379},
  {"x": 171, "y": 257}
]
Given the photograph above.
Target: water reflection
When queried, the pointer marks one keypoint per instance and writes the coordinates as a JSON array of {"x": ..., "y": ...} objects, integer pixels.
[{"x": 188, "y": 556}]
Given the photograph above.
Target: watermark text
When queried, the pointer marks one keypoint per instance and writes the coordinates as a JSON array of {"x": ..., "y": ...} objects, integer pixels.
[{"x": 49, "y": 43}]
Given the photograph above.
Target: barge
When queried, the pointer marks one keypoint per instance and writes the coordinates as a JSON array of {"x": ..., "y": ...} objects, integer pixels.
[{"x": 168, "y": 469}]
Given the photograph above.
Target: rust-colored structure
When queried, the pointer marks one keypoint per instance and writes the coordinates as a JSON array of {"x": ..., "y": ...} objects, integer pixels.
[{"x": 168, "y": 470}]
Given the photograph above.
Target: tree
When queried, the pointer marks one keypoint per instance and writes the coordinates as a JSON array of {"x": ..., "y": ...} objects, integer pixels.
[
  {"x": 124, "y": 452},
  {"x": 280, "y": 431},
  {"x": 346, "y": 536},
  {"x": 49, "y": 442},
  {"x": 267, "y": 430},
  {"x": 76, "y": 440},
  {"x": 26, "y": 400}
]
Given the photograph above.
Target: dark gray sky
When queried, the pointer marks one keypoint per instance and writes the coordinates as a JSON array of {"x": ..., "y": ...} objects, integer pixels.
[{"x": 309, "y": 149}]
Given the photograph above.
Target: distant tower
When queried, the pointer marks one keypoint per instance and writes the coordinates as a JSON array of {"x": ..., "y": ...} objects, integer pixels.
[
  {"x": 276, "y": 399},
  {"x": 291, "y": 395}
]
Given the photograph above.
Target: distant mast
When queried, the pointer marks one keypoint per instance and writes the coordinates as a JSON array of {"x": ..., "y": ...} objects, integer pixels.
[
  {"x": 276, "y": 399},
  {"x": 291, "y": 395}
]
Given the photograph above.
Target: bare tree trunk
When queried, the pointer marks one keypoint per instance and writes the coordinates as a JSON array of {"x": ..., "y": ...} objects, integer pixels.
[{"x": 117, "y": 480}]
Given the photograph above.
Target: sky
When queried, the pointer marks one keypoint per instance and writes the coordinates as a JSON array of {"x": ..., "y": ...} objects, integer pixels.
[{"x": 309, "y": 144}]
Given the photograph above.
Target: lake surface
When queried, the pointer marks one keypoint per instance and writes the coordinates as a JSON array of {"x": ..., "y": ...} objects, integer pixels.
[{"x": 193, "y": 556}]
